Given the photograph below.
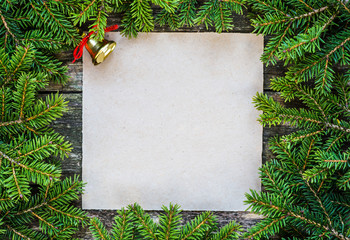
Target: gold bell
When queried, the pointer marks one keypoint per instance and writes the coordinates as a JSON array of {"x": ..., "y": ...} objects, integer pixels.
[{"x": 99, "y": 50}]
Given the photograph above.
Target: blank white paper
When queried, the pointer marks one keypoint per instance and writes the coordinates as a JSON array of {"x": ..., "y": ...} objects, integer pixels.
[{"x": 168, "y": 117}]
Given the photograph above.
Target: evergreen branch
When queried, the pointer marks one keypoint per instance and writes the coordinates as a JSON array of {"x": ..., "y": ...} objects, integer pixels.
[
  {"x": 309, "y": 14},
  {"x": 145, "y": 221},
  {"x": 20, "y": 121},
  {"x": 169, "y": 223},
  {"x": 86, "y": 9},
  {"x": 279, "y": 42},
  {"x": 6, "y": 26},
  {"x": 273, "y": 181},
  {"x": 303, "y": 118},
  {"x": 234, "y": 1},
  {"x": 204, "y": 221},
  {"x": 308, "y": 152},
  {"x": 272, "y": 7},
  {"x": 61, "y": 231},
  {"x": 47, "y": 189},
  {"x": 303, "y": 2},
  {"x": 66, "y": 214},
  {"x": 286, "y": 152},
  {"x": 3, "y": 65},
  {"x": 31, "y": 209},
  {"x": 228, "y": 232},
  {"x": 303, "y": 42},
  {"x": 37, "y": 12},
  {"x": 75, "y": 184},
  {"x": 101, "y": 232},
  {"x": 15, "y": 178},
  {"x": 42, "y": 113},
  {"x": 123, "y": 226},
  {"x": 24, "y": 167},
  {"x": 335, "y": 161},
  {"x": 307, "y": 135},
  {"x": 325, "y": 73},
  {"x": 32, "y": 130},
  {"x": 33, "y": 151},
  {"x": 23, "y": 96},
  {"x": 59, "y": 23},
  {"x": 321, "y": 205},
  {"x": 187, "y": 12},
  {"x": 17, "y": 233},
  {"x": 341, "y": 2},
  {"x": 322, "y": 58},
  {"x": 334, "y": 126},
  {"x": 312, "y": 99},
  {"x": 317, "y": 173},
  {"x": 43, "y": 220},
  {"x": 291, "y": 19},
  {"x": 22, "y": 60},
  {"x": 335, "y": 140},
  {"x": 265, "y": 227},
  {"x": 309, "y": 221},
  {"x": 2, "y": 105},
  {"x": 221, "y": 17}
]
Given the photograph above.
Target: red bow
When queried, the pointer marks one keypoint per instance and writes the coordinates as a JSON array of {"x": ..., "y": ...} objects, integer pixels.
[{"x": 78, "y": 51}]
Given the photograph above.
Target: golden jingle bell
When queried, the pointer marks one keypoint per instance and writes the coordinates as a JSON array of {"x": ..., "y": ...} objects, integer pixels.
[{"x": 99, "y": 50}]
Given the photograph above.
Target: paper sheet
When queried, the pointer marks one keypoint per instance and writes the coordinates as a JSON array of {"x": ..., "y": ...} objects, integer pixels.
[{"x": 168, "y": 117}]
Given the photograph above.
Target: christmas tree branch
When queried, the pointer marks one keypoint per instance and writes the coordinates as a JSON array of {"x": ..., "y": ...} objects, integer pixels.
[
  {"x": 15, "y": 179},
  {"x": 6, "y": 26},
  {"x": 343, "y": 5},
  {"x": 263, "y": 229},
  {"x": 22, "y": 59},
  {"x": 86, "y": 9},
  {"x": 18, "y": 233},
  {"x": 59, "y": 23},
  {"x": 271, "y": 7}
]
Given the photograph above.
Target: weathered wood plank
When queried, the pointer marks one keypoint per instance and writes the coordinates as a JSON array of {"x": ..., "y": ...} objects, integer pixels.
[{"x": 70, "y": 126}]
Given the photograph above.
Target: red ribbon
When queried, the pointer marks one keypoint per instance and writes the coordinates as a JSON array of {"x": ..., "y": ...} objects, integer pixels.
[{"x": 78, "y": 51}]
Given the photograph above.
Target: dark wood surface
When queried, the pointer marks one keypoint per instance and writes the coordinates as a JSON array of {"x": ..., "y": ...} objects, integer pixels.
[{"x": 70, "y": 125}]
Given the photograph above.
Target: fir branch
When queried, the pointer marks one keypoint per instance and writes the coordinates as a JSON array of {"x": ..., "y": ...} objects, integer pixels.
[
  {"x": 23, "y": 96},
  {"x": 15, "y": 178},
  {"x": 37, "y": 12},
  {"x": 273, "y": 222},
  {"x": 72, "y": 186},
  {"x": 86, "y": 9},
  {"x": 308, "y": 153},
  {"x": 44, "y": 221},
  {"x": 31, "y": 209},
  {"x": 335, "y": 161},
  {"x": 22, "y": 60},
  {"x": 303, "y": 42},
  {"x": 333, "y": 231},
  {"x": 6, "y": 26},
  {"x": 98, "y": 229},
  {"x": 198, "y": 223},
  {"x": 335, "y": 140},
  {"x": 73, "y": 38},
  {"x": 18, "y": 233},
  {"x": 31, "y": 169},
  {"x": 271, "y": 7},
  {"x": 287, "y": 153},
  {"x": 66, "y": 214},
  {"x": 303, "y": 2},
  {"x": 310, "y": 134},
  {"x": 344, "y": 6},
  {"x": 278, "y": 43},
  {"x": 145, "y": 222}
]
